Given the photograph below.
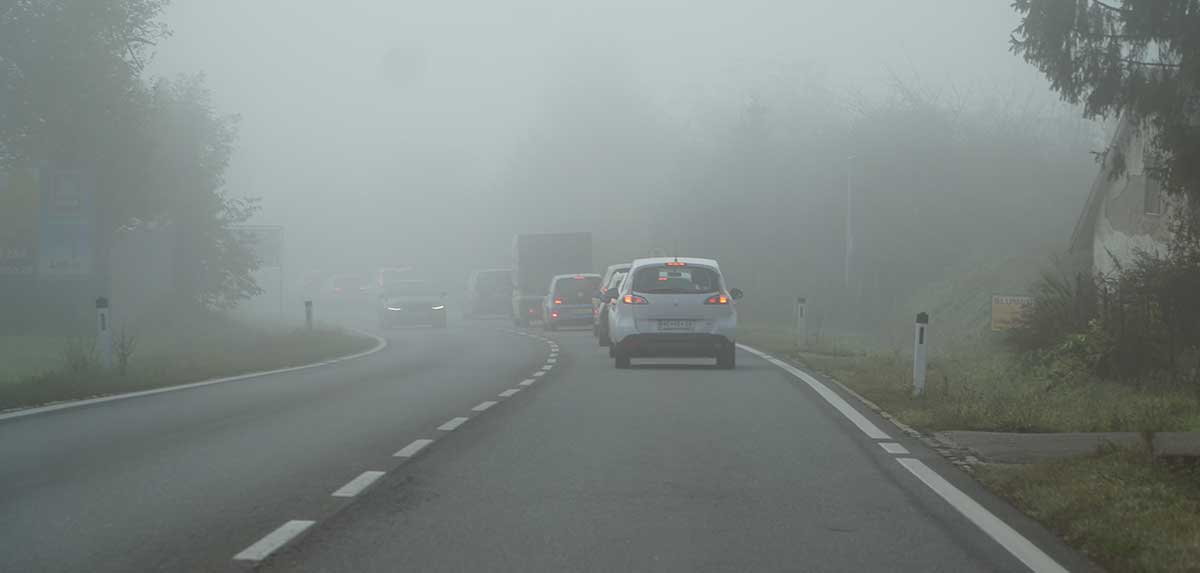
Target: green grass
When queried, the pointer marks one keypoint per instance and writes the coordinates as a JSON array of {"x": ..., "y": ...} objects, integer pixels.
[
  {"x": 987, "y": 389},
  {"x": 168, "y": 354},
  {"x": 1125, "y": 511},
  {"x": 25, "y": 356},
  {"x": 990, "y": 392}
]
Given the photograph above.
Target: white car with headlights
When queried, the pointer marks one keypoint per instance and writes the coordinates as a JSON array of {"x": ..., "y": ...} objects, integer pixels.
[
  {"x": 673, "y": 307},
  {"x": 412, "y": 302}
]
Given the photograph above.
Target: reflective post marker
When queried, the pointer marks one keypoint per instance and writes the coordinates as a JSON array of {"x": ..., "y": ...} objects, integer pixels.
[
  {"x": 801, "y": 321},
  {"x": 920, "y": 340},
  {"x": 104, "y": 347},
  {"x": 308, "y": 314}
]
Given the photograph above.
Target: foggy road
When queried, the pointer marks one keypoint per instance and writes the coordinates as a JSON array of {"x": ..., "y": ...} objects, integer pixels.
[
  {"x": 665, "y": 467},
  {"x": 182, "y": 481},
  {"x": 479, "y": 448}
]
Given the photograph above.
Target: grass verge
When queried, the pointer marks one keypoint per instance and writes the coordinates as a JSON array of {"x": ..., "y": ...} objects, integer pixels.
[
  {"x": 988, "y": 390},
  {"x": 1124, "y": 510},
  {"x": 209, "y": 348}
]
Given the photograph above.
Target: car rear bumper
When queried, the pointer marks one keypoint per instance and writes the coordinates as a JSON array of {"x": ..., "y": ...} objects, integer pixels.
[
  {"x": 570, "y": 315},
  {"x": 674, "y": 344}
]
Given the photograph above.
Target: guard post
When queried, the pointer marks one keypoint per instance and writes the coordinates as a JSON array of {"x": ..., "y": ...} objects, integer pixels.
[
  {"x": 920, "y": 341},
  {"x": 104, "y": 343},
  {"x": 801, "y": 322},
  {"x": 308, "y": 314}
]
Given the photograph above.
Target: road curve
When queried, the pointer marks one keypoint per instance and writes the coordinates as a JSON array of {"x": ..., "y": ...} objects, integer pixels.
[{"x": 182, "y": 481}]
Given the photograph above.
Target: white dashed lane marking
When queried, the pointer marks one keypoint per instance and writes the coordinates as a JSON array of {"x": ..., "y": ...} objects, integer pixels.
[
  {"x": 483, "y": 406},
  {"x": 536, "y": 374},
  {"x": 509, "y": 392},
  {"x": 893, "y": 448},
  {"x": 356, "y": 485},
  {"x": 412, "y": 449},
  {"x": 527, "y": 382},
  {"x": 551, "y": 360},
  {"x": 274, "y": 540},
  {"x": 452, "y": 424},
  {"x": 547, "y": 367}
]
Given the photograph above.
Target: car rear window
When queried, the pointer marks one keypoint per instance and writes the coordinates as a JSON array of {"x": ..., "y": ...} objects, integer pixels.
[
  {"x": 676, "y": 280},
  {"x": 576, "y": 291},
  {"x": 410, "y": 288}
]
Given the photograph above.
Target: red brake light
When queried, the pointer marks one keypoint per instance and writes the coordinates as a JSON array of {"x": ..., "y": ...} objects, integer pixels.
[
  {"x": 558, "y": 300},
  {"x": 578, "y": 277},
  {"x": 676, "y": 264},
  {"x": 717, "y": 299},
  {"x": 634, "y": 299},
  {"x": 337, "y": 289}
]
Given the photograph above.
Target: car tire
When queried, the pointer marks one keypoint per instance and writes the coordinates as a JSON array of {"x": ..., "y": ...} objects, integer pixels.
[
  {"x": 727, "y": 357},
  {"x": 605, "y": 340},
  {"x": 620, "y": 357}
]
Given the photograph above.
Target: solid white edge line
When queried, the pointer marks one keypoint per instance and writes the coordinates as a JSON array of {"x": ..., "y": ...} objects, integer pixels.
[
  {"x": 412, "y": 449},
  {"x": 484, "y": 406},
  {"x": 358, "y": 484},
  {"x": 527, "y": 382},
  {"x": 894, "y": 448},
  {"x": 1016, "y": 544},
  {"x": 509, "y": 392},
  {"x": 453, "y": 424},
  {"x": 380, "y": 344},
  {"x": 868, "y": 427},
  {"x": 274, "y": 540}
]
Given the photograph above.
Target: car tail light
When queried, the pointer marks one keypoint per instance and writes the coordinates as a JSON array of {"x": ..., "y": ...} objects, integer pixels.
[
  {"x": 717, "y": 299},
  {"x": 558, "y": 300},
  {"x": 676, "y": 264},
  {"x": 634, "y": 299},
  {"x": 532, "y": 310},
  {"x": 578, "y": 277},
  {"x": 337, "y": 289},
  {"x": 554, "y": 314}
]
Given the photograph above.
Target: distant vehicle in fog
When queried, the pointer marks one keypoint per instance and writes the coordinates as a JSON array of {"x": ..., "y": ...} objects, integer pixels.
[
  {"x": 569, "y": 300},
  {"x": 387, "y": 275},
  {"x": 412, "y": 302},
  {"x": 341, "y": 289},
  {"x": 674, "y": 307},
  {"x": 489, "y": 292},
  {"x": 538, "y": 258},
  {"x": 603, "y": 306}
]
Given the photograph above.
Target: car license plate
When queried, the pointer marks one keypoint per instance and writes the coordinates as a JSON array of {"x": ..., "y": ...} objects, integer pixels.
[{"x": 674, "y": 325}]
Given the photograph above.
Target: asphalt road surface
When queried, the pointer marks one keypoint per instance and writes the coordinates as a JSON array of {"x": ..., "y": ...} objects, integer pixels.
[{"x": 479, "y": 449}]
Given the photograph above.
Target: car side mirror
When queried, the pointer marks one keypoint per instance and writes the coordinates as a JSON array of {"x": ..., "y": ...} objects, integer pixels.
[{"x": 735, "y": 293}]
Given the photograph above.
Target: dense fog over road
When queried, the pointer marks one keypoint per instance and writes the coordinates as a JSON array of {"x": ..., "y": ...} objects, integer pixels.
[{"x": 405, "y": 132}]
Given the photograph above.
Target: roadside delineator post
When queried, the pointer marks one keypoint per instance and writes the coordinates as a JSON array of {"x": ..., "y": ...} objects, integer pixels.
[
  {"x": 801, "y": 321},
  {"x": 104, "y": 344},
  {"x": 920, "y": 341},
  {"x": 308, "y": 314}
]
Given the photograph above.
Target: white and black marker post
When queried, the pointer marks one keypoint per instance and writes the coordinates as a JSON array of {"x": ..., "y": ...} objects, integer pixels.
[
  {"x": 801, "y": 321},
  {"x": 920, "y": 340},
  {"x": 104, "y": 343},
  {"x": 308, "y": 314}
]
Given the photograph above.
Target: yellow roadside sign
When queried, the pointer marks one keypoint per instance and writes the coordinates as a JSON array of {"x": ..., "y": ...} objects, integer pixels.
[{"x": 1006, "y": 309}]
